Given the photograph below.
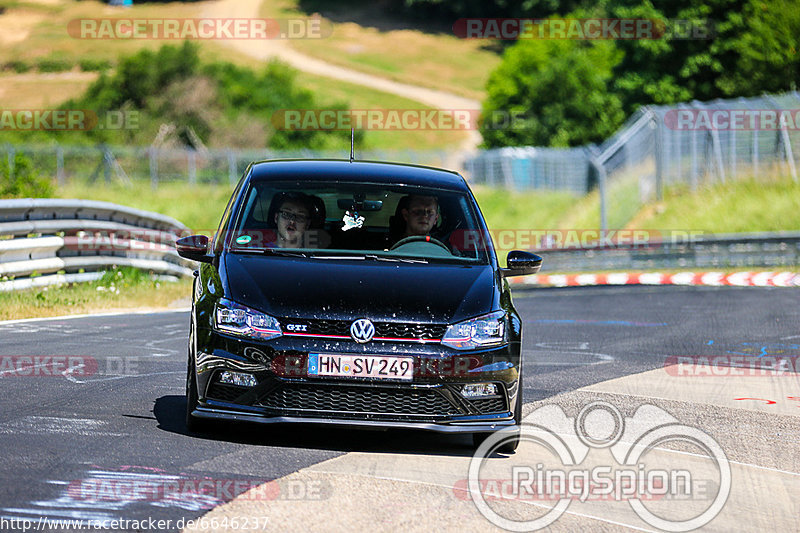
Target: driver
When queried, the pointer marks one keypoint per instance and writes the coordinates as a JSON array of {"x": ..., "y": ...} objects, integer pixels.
[{"x": 421, "y": 215}]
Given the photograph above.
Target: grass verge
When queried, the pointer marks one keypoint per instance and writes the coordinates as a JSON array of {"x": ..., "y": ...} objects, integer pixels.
[
  {"x": 766, "y": 203},
  {"x": 123, "y": 288},
  {"x": 434, "y": 59}
]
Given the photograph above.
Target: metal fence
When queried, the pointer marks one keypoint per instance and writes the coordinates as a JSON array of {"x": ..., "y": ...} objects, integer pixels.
[
  {"x": 658, "y": 147},
  {"x": 106, "y": 164},
  {"x": 49, "y": 242}
]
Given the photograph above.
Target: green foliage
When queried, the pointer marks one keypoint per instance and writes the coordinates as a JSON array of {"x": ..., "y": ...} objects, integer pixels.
[
  {"x": 752, "y": 47},
  {"x": 557, "y": 92},
  {"x": 94, "y": 65},
  {"x": 53, "y": 65},
  {"x": 223, "y": 104},
  {"x": 17, "y": 66},
  {"x": 486, "y": 8},
  {"x": 24, "y": 181}
]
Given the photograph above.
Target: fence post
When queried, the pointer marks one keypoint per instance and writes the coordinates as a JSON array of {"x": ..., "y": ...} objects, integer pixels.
[
  {"x": 191, "y": 162},
  {"x": 106, "y": 164},
  {"x": 715, "y": 146},
  {"x": 601, "y": 185},
  {"x": 12, "y": 152},
  {"x": 659, "y": 153},
  {"x": 231, "y": 168},
  {"x": 787, "y": 150},
  {"x": 59, "y": 166},
  {"x": 755, "y": 152},
  {"x": 732, "y": 149},
  {"x": 153, "y": 153},
  {"x": 694, "y": 160}
]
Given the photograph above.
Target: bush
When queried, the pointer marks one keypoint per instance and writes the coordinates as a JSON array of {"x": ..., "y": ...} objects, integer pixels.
[
  {"x": 94, "y": 65},
  {"x": 17, "y": 66},
  {"x": 172, "y": 86},
  {"x": 24, "y": 182},
  {"x": 53, "y": 65}
]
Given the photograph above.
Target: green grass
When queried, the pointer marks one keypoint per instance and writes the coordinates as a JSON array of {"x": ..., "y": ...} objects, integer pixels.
[
  {"x": 741, "y": 206},
  {"x": 125, "y": 288},
  {"x": 522, "y": 210},
  {"x": 48, "y": 34},
  {"x": 438, "y": 59},
  {"x": 745, "y": 205},
  {"x": 199, "y": 207}
]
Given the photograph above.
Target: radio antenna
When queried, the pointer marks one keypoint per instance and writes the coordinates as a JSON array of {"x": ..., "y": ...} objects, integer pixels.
[{"x": 352, "y": 143}]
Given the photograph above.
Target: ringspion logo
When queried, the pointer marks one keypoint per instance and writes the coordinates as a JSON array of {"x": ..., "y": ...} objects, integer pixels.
[{"x": 600, "y": 454}]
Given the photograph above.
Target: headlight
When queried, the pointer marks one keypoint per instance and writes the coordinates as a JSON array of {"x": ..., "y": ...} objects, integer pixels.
[
  {"x": 231, "y": 317},
  {"x": 487, "y": 330}
]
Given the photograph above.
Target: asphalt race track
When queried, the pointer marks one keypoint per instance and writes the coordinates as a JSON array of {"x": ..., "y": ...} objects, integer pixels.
[{"x": 106, "y": 439}]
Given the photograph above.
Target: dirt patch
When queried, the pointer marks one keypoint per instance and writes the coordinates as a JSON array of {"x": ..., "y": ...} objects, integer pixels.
[{"x": 17, "y": 26}]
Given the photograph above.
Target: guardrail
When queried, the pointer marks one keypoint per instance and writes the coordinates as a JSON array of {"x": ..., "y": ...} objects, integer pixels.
[
  {"x": 52, "y": 241},
  {"x": 761, "y": 250}
]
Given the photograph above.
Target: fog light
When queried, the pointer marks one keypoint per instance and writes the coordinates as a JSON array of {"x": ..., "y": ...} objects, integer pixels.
[
  {"x": 477, "y": 390},
  {"x": 238, "y": 378}
]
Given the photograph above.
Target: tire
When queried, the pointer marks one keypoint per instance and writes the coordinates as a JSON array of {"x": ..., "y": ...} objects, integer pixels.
[
  {"x": 509, "y": 444},
  {"x": 193, "y": 424}
]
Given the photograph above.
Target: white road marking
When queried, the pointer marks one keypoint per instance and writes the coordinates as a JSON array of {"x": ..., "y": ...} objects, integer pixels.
[{"x": 52, "y": 424}]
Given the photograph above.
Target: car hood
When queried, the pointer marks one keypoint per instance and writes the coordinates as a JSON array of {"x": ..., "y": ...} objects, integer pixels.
[{"x": 348, "y": 289}]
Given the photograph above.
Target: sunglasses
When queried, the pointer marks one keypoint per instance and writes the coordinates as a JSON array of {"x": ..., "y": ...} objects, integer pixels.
[{"x": 288, "y": 216}]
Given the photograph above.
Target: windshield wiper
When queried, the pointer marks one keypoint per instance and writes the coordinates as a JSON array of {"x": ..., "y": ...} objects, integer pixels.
[
  {"x": 396, "y": 259},
  {"x": 270, "y": 251},
  {"x": 372, "y": 257}
]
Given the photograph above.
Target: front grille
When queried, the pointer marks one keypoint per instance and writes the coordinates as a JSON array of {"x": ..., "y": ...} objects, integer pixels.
[
  {"x": 361, "y": 400},
  {"x": 224, "y": 392},
  {"x": 403, "y": 330},
  {"x": 489, "y": 405}
]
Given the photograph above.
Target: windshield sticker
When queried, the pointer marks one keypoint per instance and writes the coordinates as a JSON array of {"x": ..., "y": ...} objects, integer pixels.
[
  {"x": 352, "y": 220},
  {"x": 244, "y": 239}
]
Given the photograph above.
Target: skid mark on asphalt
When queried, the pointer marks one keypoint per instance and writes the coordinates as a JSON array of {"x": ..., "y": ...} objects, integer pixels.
[
  {"x": 564, "y": 348},
  {"x": 101, "y": 495},
  {"x": 87, "y": 427},
  {"x": 597, "y": 322}
]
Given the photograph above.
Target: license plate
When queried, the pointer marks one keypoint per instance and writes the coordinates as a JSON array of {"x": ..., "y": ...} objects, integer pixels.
[{"x": 360, "y": 366}]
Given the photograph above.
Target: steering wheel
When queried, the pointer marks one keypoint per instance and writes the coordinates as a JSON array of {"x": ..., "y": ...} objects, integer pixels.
[{"x": 420, "y": 238}]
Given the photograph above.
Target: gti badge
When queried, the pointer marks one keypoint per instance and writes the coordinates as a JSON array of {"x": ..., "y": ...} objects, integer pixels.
[
  {"x": 297, "y": 327},
  {"x": 362, "y": 330}
]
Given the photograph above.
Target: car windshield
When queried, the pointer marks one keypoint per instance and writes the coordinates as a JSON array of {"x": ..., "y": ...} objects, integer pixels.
[{"x": 369, "y": 221}]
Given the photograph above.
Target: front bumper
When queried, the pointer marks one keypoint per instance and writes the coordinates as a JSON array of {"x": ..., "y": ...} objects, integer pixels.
[
  {"x": 286, "y": 394},
  {"x": 218, "y": 413}
]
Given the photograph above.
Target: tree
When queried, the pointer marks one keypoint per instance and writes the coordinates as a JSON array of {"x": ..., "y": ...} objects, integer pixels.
[{"x": 554, "y": 93}]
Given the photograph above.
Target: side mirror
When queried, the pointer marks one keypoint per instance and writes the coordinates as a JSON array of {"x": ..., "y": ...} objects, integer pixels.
[
  {"x": 521, "y": 264},
  {"x": 194, "y": 247}
]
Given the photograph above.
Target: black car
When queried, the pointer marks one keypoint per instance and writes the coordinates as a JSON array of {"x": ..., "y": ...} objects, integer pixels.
[{"x": 357, "y": 294}]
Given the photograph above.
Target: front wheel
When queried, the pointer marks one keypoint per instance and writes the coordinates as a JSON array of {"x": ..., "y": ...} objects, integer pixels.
[{"x": 193, "y": 424}]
